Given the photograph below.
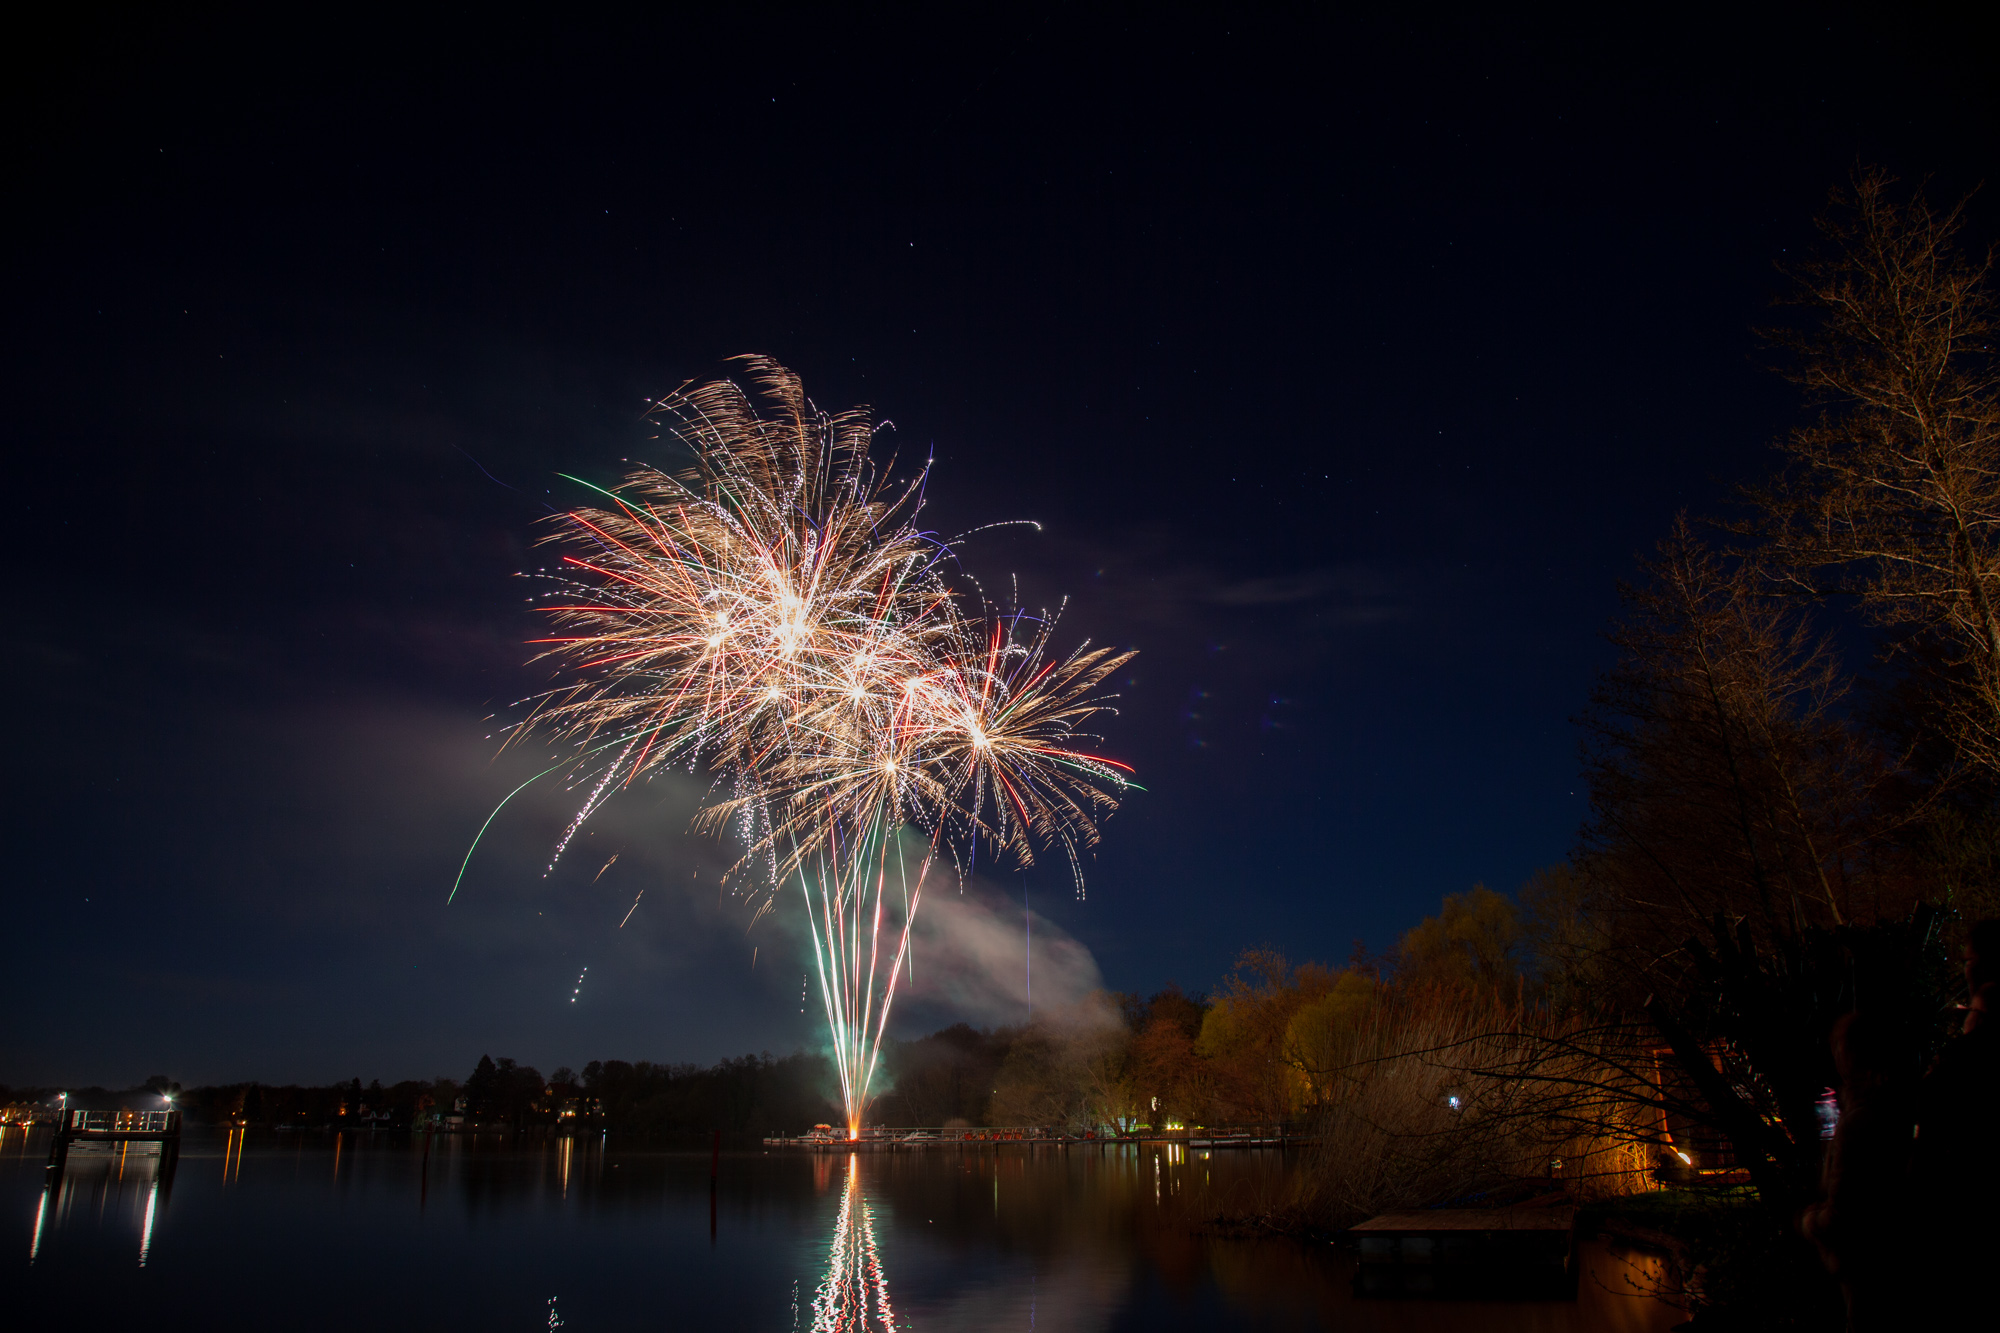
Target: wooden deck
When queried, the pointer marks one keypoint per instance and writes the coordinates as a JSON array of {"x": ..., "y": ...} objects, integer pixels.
[
  {"x": 79, "y": 1126},
  {"x": 1432, "y": 1221},
  {"x": 1523, "y": 1250}
]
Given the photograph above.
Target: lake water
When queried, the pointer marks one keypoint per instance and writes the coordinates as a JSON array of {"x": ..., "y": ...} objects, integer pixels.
[{"x": 321, "y": 1231}]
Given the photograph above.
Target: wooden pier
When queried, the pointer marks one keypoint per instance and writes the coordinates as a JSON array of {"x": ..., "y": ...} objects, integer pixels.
[
  {"x": 80, "y": 1126},
  {"x": 1527, "y": 1250}
]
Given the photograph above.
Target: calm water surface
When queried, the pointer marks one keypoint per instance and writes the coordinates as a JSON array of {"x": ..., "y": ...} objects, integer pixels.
[{"x": 346, "y": 1231}]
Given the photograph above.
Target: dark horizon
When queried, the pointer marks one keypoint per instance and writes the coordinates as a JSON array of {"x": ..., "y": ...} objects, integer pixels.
[{"x": 1346, "y": 368}]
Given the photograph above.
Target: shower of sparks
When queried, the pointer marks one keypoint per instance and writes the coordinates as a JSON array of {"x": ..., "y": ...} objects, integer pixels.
[
  {"x": 772, "y": 613},
  {"x": 579, "y": 985},
  {"x": 632, "y": 909},
  {"x": 606, "y": 866}
]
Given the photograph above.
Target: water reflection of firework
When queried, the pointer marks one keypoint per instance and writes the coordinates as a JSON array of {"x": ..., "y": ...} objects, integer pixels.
[
  {"x": 773, "y": 613},
  {"x": 853, "y": 1297}
]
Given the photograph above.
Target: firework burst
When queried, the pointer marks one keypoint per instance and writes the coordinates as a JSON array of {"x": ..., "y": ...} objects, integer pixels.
[{"x": 773, "y": 614}]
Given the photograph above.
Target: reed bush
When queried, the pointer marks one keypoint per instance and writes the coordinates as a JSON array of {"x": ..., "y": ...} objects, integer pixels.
[{"x": 1446, "y": 1096}]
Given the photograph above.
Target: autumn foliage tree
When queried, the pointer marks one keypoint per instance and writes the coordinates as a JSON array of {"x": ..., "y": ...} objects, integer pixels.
[
  {"x": 1243, "y": 1036},
  {"x": 1470, "y": 945},
  {"x": 1165, "y": 1078}
]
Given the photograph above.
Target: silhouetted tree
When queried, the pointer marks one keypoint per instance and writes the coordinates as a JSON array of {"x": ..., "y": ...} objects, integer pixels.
[
  {"x": 1725, "y": 772},
  {"x": 948, "y": 1076},
  {"x": 1892, "y": 495}
]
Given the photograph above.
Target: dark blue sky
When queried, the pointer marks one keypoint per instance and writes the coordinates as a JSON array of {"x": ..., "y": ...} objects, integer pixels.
[{"x": 1346, "y": 368}]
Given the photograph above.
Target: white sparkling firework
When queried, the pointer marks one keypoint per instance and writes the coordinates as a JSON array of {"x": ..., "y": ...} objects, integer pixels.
[{"x": 773, "y": 613}]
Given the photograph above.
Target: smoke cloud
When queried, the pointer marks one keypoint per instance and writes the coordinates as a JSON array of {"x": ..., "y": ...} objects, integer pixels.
[{"x": 974, "y": 961}]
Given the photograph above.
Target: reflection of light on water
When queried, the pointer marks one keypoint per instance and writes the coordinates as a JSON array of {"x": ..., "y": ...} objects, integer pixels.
[
  {"x": 854, "y": 1296},
  {"x": 563, "y": 1150},
  {"x": 146, "y": 1230},
  {"x": 90, "y": 1181},
  {"x": 35, "y": 1245}
]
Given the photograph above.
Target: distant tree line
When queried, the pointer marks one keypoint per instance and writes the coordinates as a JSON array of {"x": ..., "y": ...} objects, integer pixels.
[{"x": 745, "y": 1098}]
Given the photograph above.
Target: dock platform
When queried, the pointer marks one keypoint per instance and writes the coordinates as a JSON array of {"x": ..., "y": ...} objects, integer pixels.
[
  {"x": 1527, "y": 1250},
  {"x": 80, "y": 1126}
]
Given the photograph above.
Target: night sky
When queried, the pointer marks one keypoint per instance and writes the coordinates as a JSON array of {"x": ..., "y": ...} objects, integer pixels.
[{"x": 1346, "y": 369}]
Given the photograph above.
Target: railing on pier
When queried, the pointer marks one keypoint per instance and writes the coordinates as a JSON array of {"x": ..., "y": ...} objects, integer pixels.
[
  {"x": 155, "y": 1123},
  {"x": 81, "y": 1126}
]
